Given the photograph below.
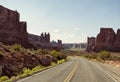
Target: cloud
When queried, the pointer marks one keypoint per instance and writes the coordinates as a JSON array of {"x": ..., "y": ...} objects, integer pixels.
[
  {"x": 76, "y": 29},
  {"x": 83, "y": 37},
  {"x": 56, "y": 30},
  {"x": 74, "y": 38},
  {"x": 69, "y": 37}
]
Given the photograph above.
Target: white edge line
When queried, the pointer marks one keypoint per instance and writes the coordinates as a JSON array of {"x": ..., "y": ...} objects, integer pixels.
[
  {"x": 28, "y": 77},
  {"x": 24, "y": 79},
  {"x": 107, "y": 73}
]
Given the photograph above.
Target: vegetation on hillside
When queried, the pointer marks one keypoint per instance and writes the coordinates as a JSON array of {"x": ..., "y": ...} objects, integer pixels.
[{"x": 17, "y": 62}]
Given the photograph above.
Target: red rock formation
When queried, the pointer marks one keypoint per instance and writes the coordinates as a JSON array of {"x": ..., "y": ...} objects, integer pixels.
[
  {"x": 43, "y": 41},
  {"x": 117, "y": 41},
  {"x": 11, "y": 29},
  {"x": 90, "y": 43},
  {"x": 60, "y": 46},
  {"x": 45, "y": 38},
  {"x": 105, "y": 40}
]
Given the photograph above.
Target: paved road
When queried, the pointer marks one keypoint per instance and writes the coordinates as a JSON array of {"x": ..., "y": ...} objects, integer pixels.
[{"x": 76, "y": 70}]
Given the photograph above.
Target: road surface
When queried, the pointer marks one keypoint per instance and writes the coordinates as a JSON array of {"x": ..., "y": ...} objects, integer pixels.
[{"x": 77, "y": 69}]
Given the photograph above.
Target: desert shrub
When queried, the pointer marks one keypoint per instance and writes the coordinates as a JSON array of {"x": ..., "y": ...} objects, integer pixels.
[
  {"x": 90, "y": 56},
  {"x": 86, "y": 55},
  {"x": 11, "y": 79},
  {"x": 116, "y": 58},
  {"x": 1, "y": 54},
  {"x": 37, "y": 68},
  {"x": 39, "y": 51},
  {"x": 58, "y": 55},
  {"x": 104, "y": 55},
  {"x": 3, "y": 78},
  {"x": 17, "y": 47},
  {"x": 26, "y": 71},
  {"x": 30, "y": 51},
  {"x": 93, "y": 56},
  {"x": 53, "y": 52},
  {"x": 64, "y": 56},
  {"x": 61, "y": 61},
  {"x": 44, "y": 51}
]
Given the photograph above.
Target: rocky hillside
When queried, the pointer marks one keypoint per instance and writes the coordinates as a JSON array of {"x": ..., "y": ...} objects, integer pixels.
[{"x": 14, "y": 58}]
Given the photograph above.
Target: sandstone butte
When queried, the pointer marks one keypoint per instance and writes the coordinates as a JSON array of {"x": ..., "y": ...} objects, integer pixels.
[
  {"x": 107, "y": 39},
  {"x": 12, "y": 31}
]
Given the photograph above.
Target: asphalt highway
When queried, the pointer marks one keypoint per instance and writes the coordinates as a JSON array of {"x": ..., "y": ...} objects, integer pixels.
[{"x": 77, "y": 69}]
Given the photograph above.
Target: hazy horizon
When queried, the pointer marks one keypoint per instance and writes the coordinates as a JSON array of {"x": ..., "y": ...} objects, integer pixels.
[{"x": 69, "y": 20}]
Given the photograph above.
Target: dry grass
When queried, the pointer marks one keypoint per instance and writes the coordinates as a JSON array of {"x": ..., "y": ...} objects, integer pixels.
[{"x": 115, "y": 54}]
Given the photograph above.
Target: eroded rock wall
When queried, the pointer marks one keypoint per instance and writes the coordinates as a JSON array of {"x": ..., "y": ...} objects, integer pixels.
[
  {"x": 117, "y": 41},
  {"x": 90, "y": 43},
  {"x": 11, "y": 29},
  {"x": 107, "y": 39}
]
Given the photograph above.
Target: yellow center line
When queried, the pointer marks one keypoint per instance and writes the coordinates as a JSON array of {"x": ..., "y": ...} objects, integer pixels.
[{"x": 70, "y": 75}]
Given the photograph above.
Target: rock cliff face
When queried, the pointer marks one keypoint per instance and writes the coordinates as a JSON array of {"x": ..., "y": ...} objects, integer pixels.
[
  {"x": 43, "y": 41},
  {"x": 117, "y": 41},
  {"x": 11, "y": 29},
  {"x": 60, "y": 46},
  {"x": 44, "y": 37},
  {"x": 106, "y": 40},
  {"x": 90, "y": 43}
]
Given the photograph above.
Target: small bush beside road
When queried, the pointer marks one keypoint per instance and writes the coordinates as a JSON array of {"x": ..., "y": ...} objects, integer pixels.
[
  {"x": 104, "y": 55},
  {"x": 101, "y": 56}
]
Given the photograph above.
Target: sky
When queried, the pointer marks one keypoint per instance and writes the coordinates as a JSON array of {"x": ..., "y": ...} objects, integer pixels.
[{"x": 71, "y": 21}]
